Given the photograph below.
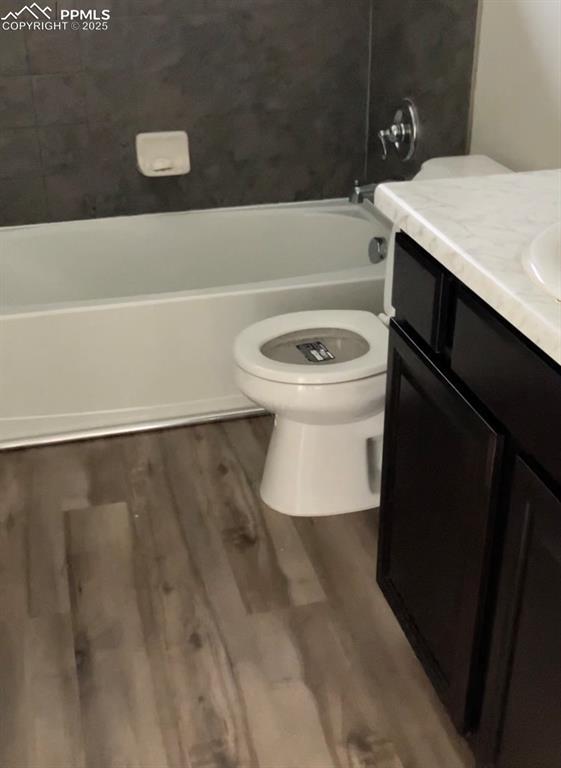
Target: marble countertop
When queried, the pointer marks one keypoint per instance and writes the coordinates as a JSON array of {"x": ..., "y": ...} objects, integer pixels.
[{"x": 479, "y": 229}]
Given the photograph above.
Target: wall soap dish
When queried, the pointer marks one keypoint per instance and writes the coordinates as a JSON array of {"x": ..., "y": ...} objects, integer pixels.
[{"x": 163, "y": 154}]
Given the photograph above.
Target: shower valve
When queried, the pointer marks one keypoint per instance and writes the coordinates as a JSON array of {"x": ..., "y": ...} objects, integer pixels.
[
  {"x": 397, "y": 134},
  {"x": 403, "y": 132}
]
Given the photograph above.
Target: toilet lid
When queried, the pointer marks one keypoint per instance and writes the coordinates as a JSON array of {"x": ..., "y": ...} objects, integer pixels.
[{"x": 321, "y": 347}]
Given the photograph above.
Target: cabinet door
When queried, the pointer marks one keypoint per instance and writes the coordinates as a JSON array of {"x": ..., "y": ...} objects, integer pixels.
[
  {"x": 436, "y": 516},
  {"x": 523, "y": 699}
]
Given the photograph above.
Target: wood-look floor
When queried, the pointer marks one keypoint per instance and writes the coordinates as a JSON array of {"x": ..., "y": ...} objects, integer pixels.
[{"x": 154, "y": 613}]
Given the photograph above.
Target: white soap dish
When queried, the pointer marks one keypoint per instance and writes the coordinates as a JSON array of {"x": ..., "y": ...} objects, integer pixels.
[{"x": 165, "y": 153}]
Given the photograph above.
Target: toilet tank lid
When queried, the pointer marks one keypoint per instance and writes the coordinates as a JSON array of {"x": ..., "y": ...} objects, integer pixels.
[{"x": 458, "y": 166}]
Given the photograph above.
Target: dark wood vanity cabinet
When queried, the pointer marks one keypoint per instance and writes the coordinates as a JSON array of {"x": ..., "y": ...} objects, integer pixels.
[
  {"x": 470, "y": 515},
  {"x": 440, "y": 467}
]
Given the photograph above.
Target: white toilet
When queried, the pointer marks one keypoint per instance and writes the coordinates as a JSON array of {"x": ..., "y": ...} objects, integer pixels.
[
  {"x": 323, "y": 375},
  {"x": 325, "y": 452}
]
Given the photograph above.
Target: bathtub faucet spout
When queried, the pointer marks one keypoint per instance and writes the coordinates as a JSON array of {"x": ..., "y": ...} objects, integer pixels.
[{"x": 361, "y": 192}]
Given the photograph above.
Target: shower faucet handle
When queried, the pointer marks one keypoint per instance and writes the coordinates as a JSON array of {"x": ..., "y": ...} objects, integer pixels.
[
  {"x": 396, "y": 134},
  {"x": 402, "y": 133},
  {"x": 384, "y": 136}
]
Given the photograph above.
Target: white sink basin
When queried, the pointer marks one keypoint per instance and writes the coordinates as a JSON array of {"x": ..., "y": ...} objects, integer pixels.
[{"x": 543, "y": 260}]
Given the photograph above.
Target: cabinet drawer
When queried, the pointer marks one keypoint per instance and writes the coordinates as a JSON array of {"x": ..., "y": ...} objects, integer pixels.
[
  {"x": 512, "y": 379},
  {"x": 419, "y": 288}
]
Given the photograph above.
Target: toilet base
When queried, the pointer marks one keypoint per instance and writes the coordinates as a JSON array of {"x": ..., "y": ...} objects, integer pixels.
[{"x": 318, "y": 470}]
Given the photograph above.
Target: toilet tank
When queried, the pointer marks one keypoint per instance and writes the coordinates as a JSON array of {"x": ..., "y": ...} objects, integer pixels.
[
  {"x": 459, "y": 165},
  {"x": 441, "y": 168}
]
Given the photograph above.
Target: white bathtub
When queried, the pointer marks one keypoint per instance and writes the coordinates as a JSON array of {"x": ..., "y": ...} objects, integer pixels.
[{"x": 126, "y": 323}]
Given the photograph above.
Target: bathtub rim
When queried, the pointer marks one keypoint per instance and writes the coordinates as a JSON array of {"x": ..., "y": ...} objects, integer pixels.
[{"x": 366, "y": 208}]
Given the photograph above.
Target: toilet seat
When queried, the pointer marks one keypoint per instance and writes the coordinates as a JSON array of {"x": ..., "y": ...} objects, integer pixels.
[{"x": 250, "y": 357}]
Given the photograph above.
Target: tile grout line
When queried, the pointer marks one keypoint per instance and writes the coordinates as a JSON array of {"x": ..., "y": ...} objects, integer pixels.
[
  {"x": 368, "y": 89},
  {"x": 36, "y": 127}
]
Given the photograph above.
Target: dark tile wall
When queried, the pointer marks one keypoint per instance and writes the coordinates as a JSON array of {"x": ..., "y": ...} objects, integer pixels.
[
  {"x": 273, "y": 94},
  {"x": 422, "y": 49}
]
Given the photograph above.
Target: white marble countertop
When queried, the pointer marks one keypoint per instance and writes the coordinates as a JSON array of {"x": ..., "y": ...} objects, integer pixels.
[{"x": 479, "y": 228}]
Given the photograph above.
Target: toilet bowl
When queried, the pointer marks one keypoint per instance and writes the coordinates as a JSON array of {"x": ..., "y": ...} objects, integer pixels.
[{"x": 323, "y": 374}]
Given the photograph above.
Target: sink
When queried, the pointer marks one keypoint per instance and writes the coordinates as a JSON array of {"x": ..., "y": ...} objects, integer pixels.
[{"x": 542, "y": 260}]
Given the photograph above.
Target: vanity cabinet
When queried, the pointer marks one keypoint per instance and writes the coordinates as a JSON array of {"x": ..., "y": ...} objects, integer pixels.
[
  {"x": 470, "y": 513},
  {"x": 440, "y": 469}
]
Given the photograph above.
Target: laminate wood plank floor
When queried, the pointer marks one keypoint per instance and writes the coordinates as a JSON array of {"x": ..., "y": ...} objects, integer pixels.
[{"x": 154, "y": 613}]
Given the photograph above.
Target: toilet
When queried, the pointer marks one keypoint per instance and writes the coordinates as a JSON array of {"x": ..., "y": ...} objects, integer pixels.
[
  {"x": 323, "y": 374},
  {"x": 329, "y": 411}
]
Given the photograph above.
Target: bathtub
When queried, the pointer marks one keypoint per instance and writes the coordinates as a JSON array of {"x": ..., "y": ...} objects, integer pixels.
[{"x": 127, "y": 323}]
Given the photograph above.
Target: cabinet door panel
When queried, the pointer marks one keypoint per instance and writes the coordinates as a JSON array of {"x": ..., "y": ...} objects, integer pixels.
[
  {"x": 508, "y": 376},
  {"x": 435, "y": 519},
  {"x": 523, "y": 700}
]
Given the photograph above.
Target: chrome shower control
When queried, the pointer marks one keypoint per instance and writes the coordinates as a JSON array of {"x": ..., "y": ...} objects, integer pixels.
[{"x": 403, "y": 133}]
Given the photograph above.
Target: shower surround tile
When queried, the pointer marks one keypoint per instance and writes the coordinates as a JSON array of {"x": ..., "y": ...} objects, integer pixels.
[
  {"x": 53, "y": 52},
  {"x": 16, "y": 99},
  {"x": 108, "y": 50},
  {"x": 110, "y": 96},
  {"x": 19, "y": 152},
  {"x": 159, "y": 42},
  {"x": 423, "y": 50},
  {"x": 59, "y": 99},
  {"x": 274, "y": 99},
  {"x": 13, "y": 56},
  {"x": 70, "y": 192},
  {"x": 23, "y": 201},
  {"x": 64, "y": 147}
]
